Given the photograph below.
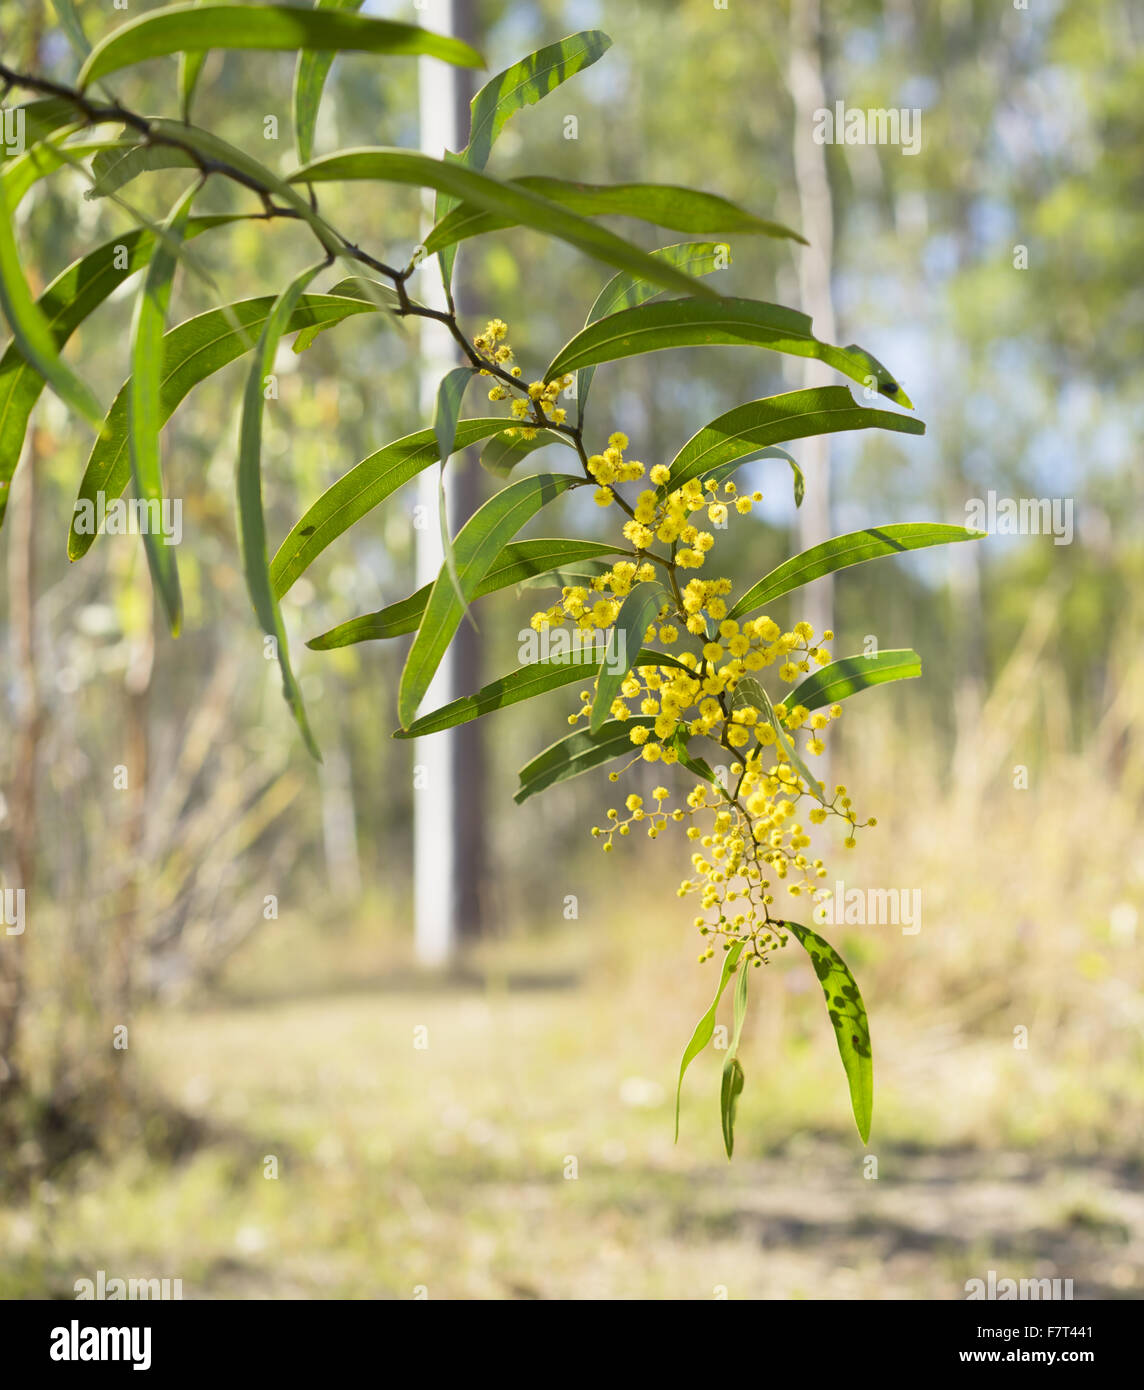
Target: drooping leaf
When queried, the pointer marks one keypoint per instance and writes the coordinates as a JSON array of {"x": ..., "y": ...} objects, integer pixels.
[
  {"x": 749, "y": 691},
  {"x": 578, "y": 752},
  {"x": 40, "y": 119},
  {"x": 144, "y": 409},
  {"x": 66, "y": 302},
  {"x": 664, "y": 205},
  {"x": 31, "y": 330},
  {"x": 625, "y": 637},
  {"x": 848, "y": 1015},
  {"x": 477, "y": 545},
  {"x": 38, "y": 161},
  {"x": 276, "y": 28},
  {"x": 526, "y": 208},
  {"x": 112, "y": 169},
  {"x": 251, "y": 519},
  {"x": 373, "y": 292},
  {"x": 360, "y": 490},
  {"x": 450, "y": 393},
  {"x": 705, "y": 1028},
  {"x": 536, "y": 678},
  {"x": 192, "y": 351},
  {"x": 739, "y": 435},
  {"x": 524, "y": 84},
  {"x": 520, "y": 85},
  {"x": 190, "y": 67},
  {"x": 695, "y": 323},
  {"x": 627, "y": 291},
  {"x": 502, "y": 453},
  {"x": 310, "y": 75},
  {"x": 732, "y": 1084},
  {"x": 842, "y": 551},
  {"x": 518, "y": 563},
  {"x": 852, "y": 674}
]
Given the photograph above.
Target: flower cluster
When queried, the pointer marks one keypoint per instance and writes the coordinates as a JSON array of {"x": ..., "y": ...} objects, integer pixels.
[
  {"x": 749, "y": 826},
  {"x": 538, "y": 403}
]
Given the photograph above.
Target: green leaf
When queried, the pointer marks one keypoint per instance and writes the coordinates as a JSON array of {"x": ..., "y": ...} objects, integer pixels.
[
  {"x": 577, "y": 573},
  {"x": 73, "y": 29},
  {"x": 38, "y": 161},
  {"x": 66, "y": 302},
  {"x": 748, "y": 691},
  {"x": 696, "y": 323},
  {"x": 524, "y": 84},
  {"x": 852, "y": 674},
  {"x": 502, "y": 453},
  {"x": 144, "y": 411},
  {"x": 705, "y": 1028},
  {"x": 733, "y": 1078},
  {"x": 31, "y": 330},
  {"x": 192, "y": 351},
  {"x": 842, "y": 551},
  {"x": 372, "y": 292},
  {"x": 518, "y": 563},
  {"x": 41, "y": 118},
  {"x": 522, "y": 684},
  {"x": 525, "y": 208},
  {"x": 699, "y": 766},
  {"x": 251, "y": 520},
  {"x": 578, "y": 752},
  {"x": 663, "y": 205},
  {"x": 310, "y": 76},
  {"x": 627, "y": 291},
  {"x": 190, "y": 66},
  {"x": 477, "y": 545},
  {"x": 637, "y": 613},
  {"x": 276, "y": 28},
  {"x": 848, "y": 1015},
  {"x": 126, "y": 160},
  {"x": 740, "y": 434},
  {"x": 360, "y": 490},
  {"x": 450, "y": 393}
]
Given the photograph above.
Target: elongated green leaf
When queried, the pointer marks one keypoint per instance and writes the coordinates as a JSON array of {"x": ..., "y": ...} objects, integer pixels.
[
  {"x": 637, "y": 613},
  {"x": 576, "y": 573},
  {"x": 516, "y": 564},
  {"x": 699, "y": 766},
  {"x": 842, "y": 551},
  {"x": 31, "y": 329},
  {"x": 21, "y": 174},
  {"x": 310, "y": 76},
  {"x": 748, "y": 691},
  {"x": 740, "y": 434},
  {"x": 251, "y": 520},
  {"x": 501, "y": 454},
  {"x": 143, "y": 402},
  {"x": 373, "y": 292},
  {"x": 360, "y": 490},
  {"x": 522, "y": 84},
  {"x": 66, "y": 302},
  {"x": 848, "y": 1015},
  {"x": 478, "y": 543},
  {"x": 277, "y": 28},
  {"x": 854, "y": 673},
  {"x": 450, "y": 393},
  {"x": 627, "y": 291},
  {"x": 73, "y": 29},
  {"x": 190, "y": 67},
  {"x": 732, "y": 1084},
  {"x": 664, "y": 205},
  {"x": 40, "y": 119},
  {"x": 522, "y": 684},
  {"x": 114, "y": 168},
  {"x": 705, "y": 1028},
  {"x": 191, "y": 352},
  {"x": 576, "y": 753},
  {"x": 734, "y": 322},
  {"x": 525, "y": 208}
]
